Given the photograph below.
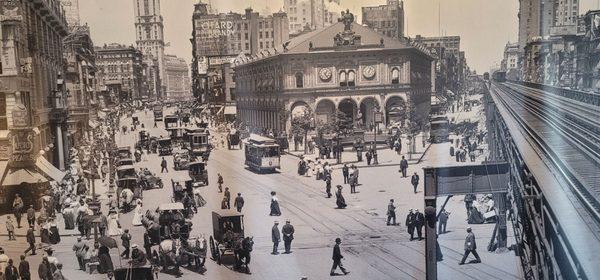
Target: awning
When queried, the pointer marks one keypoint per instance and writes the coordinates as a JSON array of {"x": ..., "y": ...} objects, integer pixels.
[
  {"x": 230, "y": 110},
  {"x": 49, "y": 169},
  {"x": 19, "y": 176}
]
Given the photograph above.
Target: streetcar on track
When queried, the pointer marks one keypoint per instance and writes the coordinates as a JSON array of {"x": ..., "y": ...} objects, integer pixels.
[
  {"x": 439, "y": 129},
  {"x": 262, "y": 153},
  {"x": 158, "y": 112}
]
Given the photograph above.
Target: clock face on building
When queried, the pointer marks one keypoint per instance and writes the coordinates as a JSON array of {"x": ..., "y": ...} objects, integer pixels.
[
  {"x": 325, "y": 74},
  {"x": 369, "y": 72}
]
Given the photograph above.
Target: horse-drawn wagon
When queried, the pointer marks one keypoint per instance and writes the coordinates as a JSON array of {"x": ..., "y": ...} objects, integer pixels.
[{"x": 228, "y": 245}]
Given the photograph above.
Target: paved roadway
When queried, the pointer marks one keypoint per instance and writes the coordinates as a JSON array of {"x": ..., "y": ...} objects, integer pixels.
[{"x": 371, "y": 249}]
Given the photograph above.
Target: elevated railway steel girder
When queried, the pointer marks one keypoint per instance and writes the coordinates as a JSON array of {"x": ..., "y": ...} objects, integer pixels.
[
  {"x": 485, "y": 178},
  {"x": 544, "y": 253}
]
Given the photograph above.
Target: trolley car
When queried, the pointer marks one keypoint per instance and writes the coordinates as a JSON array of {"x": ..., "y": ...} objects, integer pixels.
[{"x": 262, "y": 153}]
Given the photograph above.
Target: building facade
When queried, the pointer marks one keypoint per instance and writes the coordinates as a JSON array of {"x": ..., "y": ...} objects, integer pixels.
[
  {"x": 149, "y": 34},
  {"x": 71, "y": 8},
  {"x": 511, "y": 61},
  {"x": 345, "y": 67},
  {"x": 451, "y": 66},
  {"x": 33, "y": 114},
  {"x": 120, "y": 72},
  {"x": 177, "y": 78},
  {"x": 536, "y": 17},
  {"x": 80, "y": 83},
  {"x": 219, "y": 38},
  {"x": 310, "y": 14},
  {"x": 387, "y": 19}
]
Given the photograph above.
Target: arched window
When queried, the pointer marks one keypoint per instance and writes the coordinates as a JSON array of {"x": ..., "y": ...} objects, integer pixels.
[
  {"x": 343, "y": 80},
  {"x": 351, "y": 78},
  {"x": 299, "y": 80},
  {"x": 395, "y": 76}
]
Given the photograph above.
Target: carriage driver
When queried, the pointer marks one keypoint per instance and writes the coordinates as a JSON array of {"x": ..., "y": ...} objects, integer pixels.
[
  {"x": 138, "y": 258},
  {"x": 228, "y": 236}
]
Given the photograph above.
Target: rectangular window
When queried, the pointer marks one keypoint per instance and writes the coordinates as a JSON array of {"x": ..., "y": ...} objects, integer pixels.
[
  {"x": 267, "y": 34},
  {"x": 246, "y": 46},
  {"x": 260, "y": 35},
  {"x": 239, "y": 36},
  {"x": 3, "y": 119},
  {"x": 261, "y": 45},
  {"x": 246, "y": 35}
]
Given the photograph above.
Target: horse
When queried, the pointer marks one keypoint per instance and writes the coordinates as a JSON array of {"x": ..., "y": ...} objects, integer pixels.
[
  {"x": 195, "y": 250},
  {"x": 126, "y": 199},
  {"x": 242, "y": 249},
  {"x": 170, "y": 256}
]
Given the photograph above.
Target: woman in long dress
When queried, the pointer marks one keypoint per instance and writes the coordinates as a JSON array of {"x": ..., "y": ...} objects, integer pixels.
[
  {"x": 114, "y": 228},
  {"x": 54, "y": 233},
  {"x": 69, "y": 217},
  {"x": 340, "y": 201},
  {"x": 137, "y": 214},
  {"x": 275, "y": 211}
]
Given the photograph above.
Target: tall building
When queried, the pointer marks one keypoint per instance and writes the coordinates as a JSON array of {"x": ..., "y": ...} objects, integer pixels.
[
  {"x": 71, "y": 8},
  {"x": 387, "y": 19},
  {"x": 32, "y": 99},
  {"x": 567, "y": 12},
  {"x": 536, "y": 17},
  {"x": 120, "y": 72},
  {"x": 219, "y": 38},
  {"x": 451, "y": 66},
  {"x": 149, "y": 34},
  {"x": 310, "y": 14},
  {"x": 177, "y": 78},
  {"x": 80, "y": 82}
]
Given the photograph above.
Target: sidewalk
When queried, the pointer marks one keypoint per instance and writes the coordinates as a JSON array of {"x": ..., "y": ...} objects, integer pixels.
[{"x": 385, "y": 156}]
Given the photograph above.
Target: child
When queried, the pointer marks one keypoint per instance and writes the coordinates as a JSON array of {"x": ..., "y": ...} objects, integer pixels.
[{"x": 10, "y": 228}]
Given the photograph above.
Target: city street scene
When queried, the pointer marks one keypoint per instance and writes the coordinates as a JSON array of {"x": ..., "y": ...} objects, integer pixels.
[{"x": 299, "y": 139}]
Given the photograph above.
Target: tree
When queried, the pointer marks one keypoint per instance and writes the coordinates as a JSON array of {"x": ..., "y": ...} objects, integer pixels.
[{"x": 301, "y": 125}]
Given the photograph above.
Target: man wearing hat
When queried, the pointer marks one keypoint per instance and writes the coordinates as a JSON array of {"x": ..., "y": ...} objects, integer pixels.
[
  {"x": 80, "y": 249},
  {"x": 275, "y": 237},
  {"x": 288, "y": 235},
  {"x": 391, "y": 213},
  {"x": 410, "y": 223},
  {"x": 337, "y": 258},
  {"x": 31, "y": 240},
  {"x": 470, "y": 247},
  {"x": 125, "y": 241},
  {"x": 419, "y": 223},
  {"x": 138, "y": 258}
]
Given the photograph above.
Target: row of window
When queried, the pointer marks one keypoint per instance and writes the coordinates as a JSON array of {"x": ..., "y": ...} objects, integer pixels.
[{"x": 347, "y": 78}]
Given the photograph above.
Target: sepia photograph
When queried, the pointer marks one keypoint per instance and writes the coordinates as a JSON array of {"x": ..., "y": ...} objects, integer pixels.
[{"x": 299, "y": 139}]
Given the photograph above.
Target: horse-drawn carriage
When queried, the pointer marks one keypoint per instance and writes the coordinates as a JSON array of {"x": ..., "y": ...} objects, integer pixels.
[
  {"x": 143, "y": 141},
  {"x": 181, "y": 159},
  {"x": 149, "y": 180},
  {"x": 164, "y": 147},
  {"x": 198, "y": 173},
  {"x": 124, "y": 152},
  {"x": 228, "y": 245},
  {"x": 129, "y": 191},
  {"x": 233, "y": 139}
]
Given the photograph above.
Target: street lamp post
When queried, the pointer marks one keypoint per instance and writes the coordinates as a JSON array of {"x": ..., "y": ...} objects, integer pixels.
[{"x": 377, "y": 119}]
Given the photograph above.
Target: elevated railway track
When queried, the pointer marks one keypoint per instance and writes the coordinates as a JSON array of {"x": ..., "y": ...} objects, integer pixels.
[{"x": 552, "y": 141}]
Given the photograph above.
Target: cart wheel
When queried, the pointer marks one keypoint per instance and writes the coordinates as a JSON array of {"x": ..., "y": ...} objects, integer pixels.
[
  {"x": 213, "y": 248},
  {"x": 160, "y": 184}
]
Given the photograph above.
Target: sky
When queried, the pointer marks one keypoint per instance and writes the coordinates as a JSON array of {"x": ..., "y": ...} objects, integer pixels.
[{"x": 484, "y": 26}]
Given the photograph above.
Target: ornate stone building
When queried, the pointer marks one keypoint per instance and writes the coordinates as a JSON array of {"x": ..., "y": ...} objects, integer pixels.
[
  {"x": 149, "y": 39},
  {"x": 120, "y": 70},
  {"x": 177, "y": 78},
  {"x": 345, "y": 66}
]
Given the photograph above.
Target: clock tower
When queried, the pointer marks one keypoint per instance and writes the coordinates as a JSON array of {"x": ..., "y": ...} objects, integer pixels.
[{"x": 149, "y": 35}]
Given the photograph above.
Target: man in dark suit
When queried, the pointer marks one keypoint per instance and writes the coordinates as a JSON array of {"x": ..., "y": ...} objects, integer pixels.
[
  {"x": 410, "y": 223},
  {"x": 275, "y": 237},
  {"x": 337, "y": 258},
  {"x": 419, "y": 222},
  {"x": 470, "y": 247},
  {"x": 414, "y": 180},
  {"x": 31, "y": 240},
  {"x": 403, "y": 166},
  {"x": 24, "y": 269},
  {"x": 345, "y": 173},
  {"x": 288, "y": 235},
  {"x": 10, "y": 272}
]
